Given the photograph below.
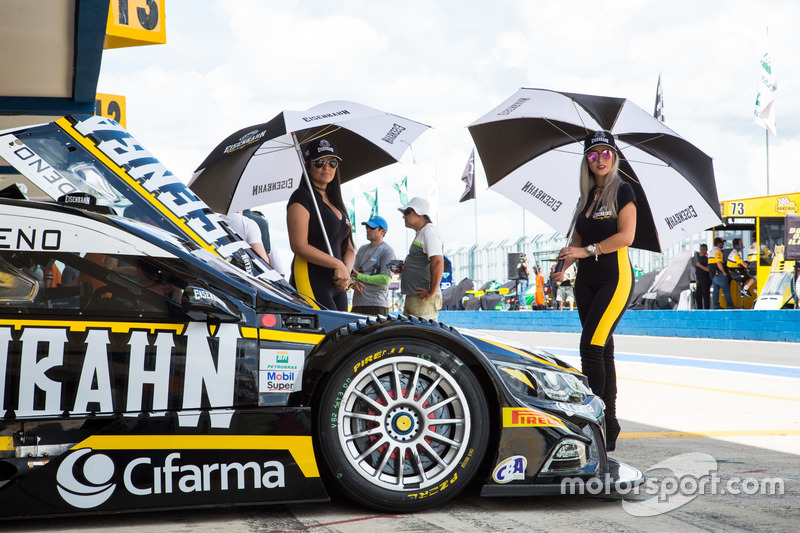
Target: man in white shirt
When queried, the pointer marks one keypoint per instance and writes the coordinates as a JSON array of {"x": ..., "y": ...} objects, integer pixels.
[
  {"x": 422, "y": 270},
  {"x": 249, "y": 231}
]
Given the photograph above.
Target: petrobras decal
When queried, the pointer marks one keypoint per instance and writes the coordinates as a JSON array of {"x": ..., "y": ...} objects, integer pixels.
[
  {"x": 48, "y": 371},
  {"x": 23, "y": 229},
  {"x": 510, "y": 469},
  {"x": 280, "y": 370},
  {"x": 87, "y": 479}
]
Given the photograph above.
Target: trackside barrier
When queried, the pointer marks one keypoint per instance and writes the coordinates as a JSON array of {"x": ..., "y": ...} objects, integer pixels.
[{"x": 783, "y": 326}]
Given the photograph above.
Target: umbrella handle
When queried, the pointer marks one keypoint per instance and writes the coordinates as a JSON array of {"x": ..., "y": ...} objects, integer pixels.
[
  {"x": 313, "y": 196},
  {"x": 560, "y": 262}
]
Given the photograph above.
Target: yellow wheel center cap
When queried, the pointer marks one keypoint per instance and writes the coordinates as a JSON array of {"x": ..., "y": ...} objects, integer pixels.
[{"x": 403, "y": 423}]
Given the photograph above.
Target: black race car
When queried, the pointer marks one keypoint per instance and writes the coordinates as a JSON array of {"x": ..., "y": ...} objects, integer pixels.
[{"x": 149, "y": 360}]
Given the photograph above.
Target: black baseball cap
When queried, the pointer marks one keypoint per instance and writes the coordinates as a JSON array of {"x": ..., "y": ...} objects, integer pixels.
[
  {"x": 319, "y": 148},
  {"x": 599, "y": 137}
]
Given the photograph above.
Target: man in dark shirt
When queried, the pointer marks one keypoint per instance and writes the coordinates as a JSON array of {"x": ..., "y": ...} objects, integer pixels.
[
  {"x": 702, "y": 292},
  {"x": 522, "y": 276}
]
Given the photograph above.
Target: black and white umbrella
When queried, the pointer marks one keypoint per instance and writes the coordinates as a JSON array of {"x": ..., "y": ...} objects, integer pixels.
[
  {"x": 262, "y": 164},
  {"x": 531, "y": 146}
]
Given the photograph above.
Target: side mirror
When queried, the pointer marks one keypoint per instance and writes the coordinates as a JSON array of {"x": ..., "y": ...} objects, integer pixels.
[{"x": 200, "y": 303}]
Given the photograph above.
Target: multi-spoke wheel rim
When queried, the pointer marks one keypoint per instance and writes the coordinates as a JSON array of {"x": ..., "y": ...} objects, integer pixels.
[{"x": 404, "y": 423}]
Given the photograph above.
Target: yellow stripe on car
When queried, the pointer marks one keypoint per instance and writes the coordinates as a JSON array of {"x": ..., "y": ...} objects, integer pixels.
[
  {"x": 266, "y": 334},
  {"x": 150, "y": 197},
  {"x": 300, "y": 447},
  {"x": 522, "y": 353},
  {"x": 115, "y": 327}
]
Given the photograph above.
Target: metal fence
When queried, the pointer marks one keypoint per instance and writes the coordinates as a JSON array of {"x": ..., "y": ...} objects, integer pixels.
[{"x": 489, "y": 261}]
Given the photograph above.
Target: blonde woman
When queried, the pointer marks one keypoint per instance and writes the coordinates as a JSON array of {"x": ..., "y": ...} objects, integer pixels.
[{"x": 604, "y": 226}]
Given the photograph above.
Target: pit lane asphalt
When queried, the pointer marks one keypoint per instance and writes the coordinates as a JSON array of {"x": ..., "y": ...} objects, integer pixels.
[{"x": 682, "y": 403}]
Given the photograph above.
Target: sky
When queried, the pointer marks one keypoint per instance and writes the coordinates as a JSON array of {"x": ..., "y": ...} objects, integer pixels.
[{"x": 445, "y": 63}]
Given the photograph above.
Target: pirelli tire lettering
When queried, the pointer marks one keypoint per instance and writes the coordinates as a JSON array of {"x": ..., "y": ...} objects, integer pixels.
[{"x": 402, "y": 427}]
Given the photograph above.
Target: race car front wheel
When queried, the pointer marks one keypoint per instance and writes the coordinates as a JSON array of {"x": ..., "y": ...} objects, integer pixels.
[{"x": 402, "y": 426}]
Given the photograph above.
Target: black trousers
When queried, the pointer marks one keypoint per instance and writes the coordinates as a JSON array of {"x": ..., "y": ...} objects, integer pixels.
[{"x": 702, "y": 294}]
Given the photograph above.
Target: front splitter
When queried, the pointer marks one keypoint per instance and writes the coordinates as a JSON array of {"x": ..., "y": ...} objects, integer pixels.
[{"x": 620, "y": 477}]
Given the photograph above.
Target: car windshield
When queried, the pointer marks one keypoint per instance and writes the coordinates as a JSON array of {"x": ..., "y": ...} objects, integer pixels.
[
  {"x": 269, "y": 282},
  {"x": 55, "y": 165},
  {"x": 66, "y": 168}
]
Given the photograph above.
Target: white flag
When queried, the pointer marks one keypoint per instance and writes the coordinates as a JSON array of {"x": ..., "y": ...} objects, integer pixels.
[{"x": 764, "y": 113}]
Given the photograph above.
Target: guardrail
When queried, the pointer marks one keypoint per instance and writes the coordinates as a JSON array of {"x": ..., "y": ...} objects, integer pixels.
[{"x": 782, "y": 326}]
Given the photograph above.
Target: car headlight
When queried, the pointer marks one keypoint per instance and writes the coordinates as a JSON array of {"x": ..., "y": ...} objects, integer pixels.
[{"x": 545, "y": 384}]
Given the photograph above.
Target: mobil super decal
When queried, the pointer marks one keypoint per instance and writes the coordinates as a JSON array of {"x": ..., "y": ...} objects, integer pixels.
[
  {"x": 57, "y": 369},
  {"x": 280, "y": 370}
]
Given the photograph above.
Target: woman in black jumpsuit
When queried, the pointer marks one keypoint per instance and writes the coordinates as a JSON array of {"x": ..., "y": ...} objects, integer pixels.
[
  {"x": 604, "y": 226},
  {"x": 320, "y": 277}
]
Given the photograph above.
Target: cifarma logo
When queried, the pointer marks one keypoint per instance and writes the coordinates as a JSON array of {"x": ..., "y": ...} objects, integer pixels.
[{"x": 84, "y": 480}]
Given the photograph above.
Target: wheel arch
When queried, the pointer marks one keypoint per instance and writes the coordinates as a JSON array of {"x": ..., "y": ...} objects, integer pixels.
[{"x": 365, "y": 332}]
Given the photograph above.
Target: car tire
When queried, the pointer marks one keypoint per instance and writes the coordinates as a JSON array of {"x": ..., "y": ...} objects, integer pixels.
[{"x": 365, "y": 427}]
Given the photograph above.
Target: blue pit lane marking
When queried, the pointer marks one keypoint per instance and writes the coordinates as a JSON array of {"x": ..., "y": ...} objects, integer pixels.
[{"x": 749, "y": 368}]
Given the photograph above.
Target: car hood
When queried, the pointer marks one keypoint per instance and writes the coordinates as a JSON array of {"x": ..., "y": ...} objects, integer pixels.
[{"x": 499, "y": 349}]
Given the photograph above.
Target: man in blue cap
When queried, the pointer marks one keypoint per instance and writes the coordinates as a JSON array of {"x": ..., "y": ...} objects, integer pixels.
[{"x": 371, "y": 274}]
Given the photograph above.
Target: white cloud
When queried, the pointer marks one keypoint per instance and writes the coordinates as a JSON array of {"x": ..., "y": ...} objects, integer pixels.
[{"x": 445, "y": 63}]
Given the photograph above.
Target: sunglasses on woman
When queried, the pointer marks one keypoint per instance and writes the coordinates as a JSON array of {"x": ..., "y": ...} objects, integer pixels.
[
  {"x": 594, "y": 157},
  {"x": 333, "y": 163}
]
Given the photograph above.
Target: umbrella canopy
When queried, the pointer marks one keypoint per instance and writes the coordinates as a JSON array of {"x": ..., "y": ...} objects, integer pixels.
[
  {"x": 531, "y": 147},
  {"x": 259, "y": 164}
]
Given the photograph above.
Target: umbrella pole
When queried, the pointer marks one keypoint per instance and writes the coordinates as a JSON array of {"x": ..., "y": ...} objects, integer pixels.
[{"x": 313, "y": 196}]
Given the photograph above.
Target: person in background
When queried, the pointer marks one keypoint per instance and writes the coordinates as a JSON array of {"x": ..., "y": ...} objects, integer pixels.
[
  {"x": 539, "y": 300},
  {"x": 604, "y": 226},
  {"x": 51, "y": 275},
  {"x": 702, "y": 291},
  {"x": 738, "y": 268},
  {"x": 424, "y": 265},
  {"x": 263, "y": 227},
  {"x": 371, "y": 274},
  {"x": 719, "y": 275},
  {"x": 522, "y": 275},
  {"x": 566, "y": 292},
  {"x": 756, "y": 256},
  {"x": 316, "y": 274},
  {"x": 248, "y": 230}
]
